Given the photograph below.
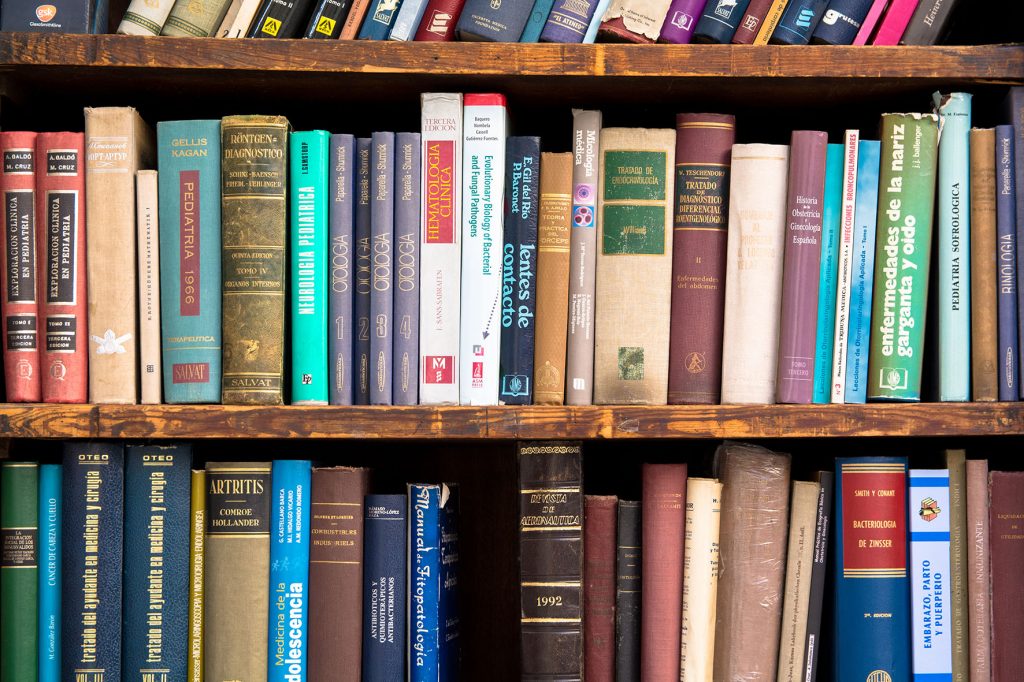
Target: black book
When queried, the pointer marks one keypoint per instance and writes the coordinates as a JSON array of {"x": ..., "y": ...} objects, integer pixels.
[
  {"x": 279, "y": 19},
  {"x": 627, "y": 591},
  {"x": 327, "y": 18},
  {"x": 819, "y": 569}
]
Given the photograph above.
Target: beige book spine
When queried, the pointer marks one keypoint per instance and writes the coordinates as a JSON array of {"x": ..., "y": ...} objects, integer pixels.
[
  {"x": 984, "y": 302},
  {"x": 956, "y": 463},
  {"x": 147, "y": 212},
  {"x": 145, "y": 17},
  {"x": 700, "y": 579},
  {"x": 243, "y": 19},
  {"x": 979, "y": 618},
  {"x": 224, "y": 30},
  {"x": 797, "y": 593}
]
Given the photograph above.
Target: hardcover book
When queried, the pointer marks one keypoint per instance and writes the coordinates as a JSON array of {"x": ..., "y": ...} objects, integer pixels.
[
  {"x": 628, "y": 579},
  {"x": 145, "y": 17},
  {"x": 831, "y": 231},
  {"x": 380, "y": 16},
  {"x": 984, "y": 296},
  {"x": 771, "y": 21},
  {"x": 51, "y": 517},
  {"x": 407, "y": 20},
  {"x": 147, "y": 212},
  {"x": 382, "y": 292},
  {"x": 354, "y": 19},
  {"x": 19, "y": 571},
  {"x": 701, "y": 541},
  {"x": 680, "y": 21},
  {"x": 568, "y": 21},
  {"x": 861, "y": 293},
  {"x": 798, "y": 22},
  {"x": 819, "y": 569},
  {"x": 406, "y": 273},
  {"x": 439, "y": 20},
  {"x": 55, "y": 16},
  {"x": 928, "y": 23},
  {"x": 536, "y": 22},
  {"x": 847, "y": 265},
  {"x": 871, "y": 19},
  {"x": 327, "y": 18},
  {"x": 1006, "y": 495},
  {"x": 979, "y": 573},
  {"x": 1008, "y": 352},
  {"x": 364, "y": 271},
  {"x": 720, "y": 20},
  {"x": 279, "y": 19},
  {"x": 599, "y": 556},
  {"x": 384, "y": 587},
  {"x": 1015, "y": 113},
  {"x": 501, "y": 22},
  {"x": 895, "y": 22},
  {"x": 750, "y": 24},
  {"x": 198, "y": 19},
  {"x": 796, "y": 595},
  {"x": 958, "y": 564},
  {"x": 340, "y": 323},
  {"x": 241, "y": 14},
  {"x": 632, "y": 21},
  {"x": 197, "y": 575},
  {"x": 841, "y": 22}
]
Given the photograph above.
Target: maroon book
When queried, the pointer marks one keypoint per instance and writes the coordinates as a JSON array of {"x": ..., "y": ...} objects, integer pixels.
[
  {"x": 801, "y": 267},
  {"x": 1006, "y": 549},
  {"x": 439, "y": 19},
  {"x": 750, "y": 24},
  {"x": 700, "y": 231},
  {"x": 663, "y": 519},
  {"x": 599, "y": 551}
]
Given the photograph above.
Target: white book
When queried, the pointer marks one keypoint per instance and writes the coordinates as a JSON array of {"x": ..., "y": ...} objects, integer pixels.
[
  {"x": 796, "y": 596},
  {"x": 145, "y": 17},
  {"x": 147, "y": 224},
  {"x": 844, "y": 278},
  {"x": 483, "y": 202},
  {"x": 753, "y": 277},
  {"x": 440, "y": 242},
  {"x": 243, "y": 19},
  {"x": 700, "y": 579},
  {"x": 931, "y": 612}
]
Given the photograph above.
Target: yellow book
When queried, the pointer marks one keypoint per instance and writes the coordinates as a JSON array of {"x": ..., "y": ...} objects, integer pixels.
[
  {"x": 196, "y": 595},
  {"x": 771, "y": 20}
]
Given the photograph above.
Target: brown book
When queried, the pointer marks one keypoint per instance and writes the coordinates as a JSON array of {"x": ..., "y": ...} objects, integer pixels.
[
  {"x": 699, "y": 234},
  {"x": 599, "y": 553},
  {"x": 752, "y": 561},
  {"x": 552, "y": 278},
  {"x": 336, "y": 573},
  {"x": 958, "y": 561},
  {"x": 1006, "y": 552},
  {"x": 117, "y": 144},
  {"x": 354, "y": 19},
  {"x": 984, "y": 341},
  {"x": 979, "y": 611}
]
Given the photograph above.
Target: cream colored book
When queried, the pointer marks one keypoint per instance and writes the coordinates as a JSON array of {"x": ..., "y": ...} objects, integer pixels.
[
  {"x": 145, "y": 17},
  {"x": 700, "y": 579},
  {"x": 147, "y": 221},
  {"x": 243, "y": 18},
  {"x": 803, "y": 515},
  {"x": 224, "y": 30},
  {"x": 634, "y": 265}
]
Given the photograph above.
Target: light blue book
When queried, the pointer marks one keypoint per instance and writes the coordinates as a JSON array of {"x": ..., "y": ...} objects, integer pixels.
[
  {"x": 535, "y": 24},
  {"x": 289, "y": 571},
  {"x": 595, "y": 23},
  {"x": 831, "y": 219},
  {"x": 50, "y": 481},
  {"x": 865, "y": 216},
  {"x": 408, "y": 20},
  {"x": 930, "y": 578},
  {"x": 953, "y": 233}
]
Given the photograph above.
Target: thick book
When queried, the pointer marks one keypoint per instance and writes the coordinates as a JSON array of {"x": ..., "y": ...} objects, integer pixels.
[
  {"x": 253, "y": 257},
  {"x": 958, "y": 575},
  {"x": 60, "y": 229},
  {"x": 341, "y": 171},
  {"x": 551, "y": 561},
  {"x": 288, "y": 621},
  {"x": 406, "y": 271},
  {"x": 57, "y": 16},
  {"x": 819, "y": 570},
  {"x": 628, "y": 592},
  {"x": 148, "y": 263},
  {"x": 599, "y": 557},
  {"x": 1006, "y": 549},
  {"x": 796, "y": 595},
  {"x": 632, "y": 21},
  {"x": 237, "y": 569},
  {"x": 439, "y": 20},
  {"x": 189, "y": 158},
  {"x": 928, "y": 23},
  {"x": 828, "y": 273},
  {"x": 553, "y": 235},
  {"x": 699, "y": 235},
  {"x": 681, "y": 19},
  {"x": 984, "y": 296},
  {"x": 1008, "y": 351},
  {"x": 196, "y": 575},
  {"x": 382, "y": 292},
  {"x": 336, "y": 568},
  {"x": 503, "y": 22},
  {"x": 895, "y": 22},
  {"x": 846, "y": 263},
  {"x": 568, "y": 21},
  {"x": 750, "y": 23},
  {"x": 979, "y": 574},
  {"x": 384, "y": 587},
  {"x": 664, "y": 522},
  {"x": 753, "y": 277},
  {"x": 798, "y": 22},
  {"x": 364, "y": 272},
  {"x": 157, "y": 499},
  {"x": 327, "y": 18},
  {"x": 19, "y": 571},
  {"x": 380, "y": 17},
  {"x": 1015, "y": 114},
  {"x": 145, "y": 17},
  {"x": 519, "y": 271},
  {"x": 407, "y": 20},
  {"x": 92, "y": 549},
  {"x": 634, "y": 255},
  {"x": 440, "y": 247},
  {"x": 700, "y": 579},
  {"x": 719, "y": 21},
  {"x": 841, "y": 22},
  {"x": 279, "y": 19},
  {"x": 189, "y": 18},
  {"x": 51, "y": 516},
  {"x": 872, "y": 590}
]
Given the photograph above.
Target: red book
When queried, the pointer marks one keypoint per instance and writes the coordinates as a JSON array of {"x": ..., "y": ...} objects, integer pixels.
[
  {"x": 60, "y": 230},
  {"x": 1006, "y": 549},
  {"x": 750, "y": 24},
  {"x": 700, "y": 231},
  {"x": 663, "y": 519},
  {"x": 599, "y": 552},
  {"x": 439, "y": 19},
  {"x": 19, "y": 308}
]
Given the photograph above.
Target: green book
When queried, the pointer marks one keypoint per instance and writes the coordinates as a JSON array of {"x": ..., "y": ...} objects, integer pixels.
[
  {"x": 308, "y": 236},
  {"x": 19, "y": 571},
  {"x": 906, "y": 202}
]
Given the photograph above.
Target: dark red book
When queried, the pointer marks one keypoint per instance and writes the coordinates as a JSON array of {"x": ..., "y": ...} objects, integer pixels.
[
  {"x": 599, "y": 555},
  {"x": 703, "y": 154},
  {"x": 439, "y": 20},
  {"x": 663, "y": 519},
  {"x": 750, "y": 24},
  {"x": 60, "y": 234},
  {"x": 1006, "y": 542}
]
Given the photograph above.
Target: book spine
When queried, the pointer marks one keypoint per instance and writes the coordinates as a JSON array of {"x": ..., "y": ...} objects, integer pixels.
[
  {"x": 681, "y": 19},
  {"x": 554, "y": 219},
  {"x": 699, "y": 235},
  {"x": 154, "y": 633},
  {"x": 308, "y": 243},
  {"x": 750, "y": 24},
  {"x": 440, "y": 247},
  {"x": 579, "y": 362},
  {"x": 628, "y": 559},
  {"x": 196, "y": 574},
  {"x": 483, "y": 187},
  {"x": 195, "y": 19},
  {"x": 905, "y": 206},
  {"x": 224, "y": 30},
  {"x": 424, "y": 637},
  {"x": 439, "y": 20},
  {"x": 861, "y": 294},
  {"x": 771, "y": 22},
  {"x": 929, "y": 572},
  {"x": 405, "y": 384},
  {"x": 976, "y": 556},
  {"x": 928, "y": 23},
  {"x": 19, "y": 570},
  {"x": 92, "y": 546},
  {"x": 68, "y": 16},
  {"x": 279, "y": 19},
  {"x": 340, "y": 296},
  {"x": 501, "y": 22},
  {"x": 364, "y": 272},
  {"x": 1015, "y": 114},
  {"x": 354, "y": 19},
  {"x": 719, "y": 21},
  {"x": 408, "y": 20},
  {"x": 871, "y": 19},
  {"x": 382, "y": 292},
  {"x": 847, "y": 266},
  {"x": 254, "y": 228},
  {"x": 147, "y": 211},
  {"x": 145, "y": 17},
  {"x": 519, "y": 271},
  {"x": 841, "y": 22},
  {"x": 64, "y": 357},
  {"x": 819, "y": 570},
  {"x": 237, "y": 570},
  {"x": 952, "y": 232},
  {"x": 831, "y": 229},
  {"x": 796, "y": 595},
  {"x": 1006, "y": 492},
  {"x": 20, "y": 306},
  {"x": 984, "y": 296},
  {"x": 595, "y": 23},
  {"x": 538, "y": 19},
  {"x": 288, "y": 622},
  {"x": 568, "y": 21},
  {"x": 384, "y": 587},
  {"x": 895, "y": 22},
  {"x": 631, "y": 21},
  {"x": 802, "y": 265},
  {"x": 1006, "y": 242},
  {"x": 798, "y": 22},
  {"x": 243, "y": 19},
  {"x": 448, "y": 612},
  {"x": 599, "y": 556},
  {"x": 753, "y": 277},
  {"x": 327, "y": 18},
  {"x": 379, "y": 19},
  {"x": 958, "y": 562},
  {"x": 700, "y": 579},
  {"x": 190, "y": 259},
  {"x": 50, "y": 523}
]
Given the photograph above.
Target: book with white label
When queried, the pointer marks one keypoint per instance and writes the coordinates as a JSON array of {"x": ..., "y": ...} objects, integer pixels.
[
  {"x": 146, "y": 191},
  {"x": 700, "y": 578}
]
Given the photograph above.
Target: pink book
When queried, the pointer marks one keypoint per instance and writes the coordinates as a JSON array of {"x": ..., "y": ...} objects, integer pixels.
[
  {"x": 895, "y": 22},
  {"x": 870, "y": 21}
]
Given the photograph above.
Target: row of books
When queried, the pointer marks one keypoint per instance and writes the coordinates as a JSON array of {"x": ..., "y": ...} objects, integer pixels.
[
  {"x": 123, "y": 563},
  {"x": 462, "y": 266},
  {"x": 725, "y": 578}
]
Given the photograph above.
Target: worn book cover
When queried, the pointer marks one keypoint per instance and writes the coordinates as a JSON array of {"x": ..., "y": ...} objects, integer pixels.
[
  {"x": 599, "y": 553},
  {"x": 979, "y": 572},
  {"x": 628, "y": 588},
  {"x": 847, "y": 264},
  {"x": 148, "y": 250},
  {"x": 633, "y": 21},
  {"x": 195, "y": 18},
  {"x": 959, "y": 541},
  {"x": 1006, "y": 495},
  {"x": 145, "y": 17}
]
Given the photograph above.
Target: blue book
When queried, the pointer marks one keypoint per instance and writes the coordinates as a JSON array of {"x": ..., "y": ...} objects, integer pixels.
[
  {"x": 406, "y": 280},
  {"x": 595, "y": 21},
  {"x": 384, "y": 587},
  {"x": 288, "y": 625},
  {"x": 157, "y": 521},
  {"x": 831, "y": 220},
  {"x": 379, "y": 19},
  {"x": 448, "y": 612},
  {"x": 92, "y": 550},
  {"x": 1006, "y": 245},
  {"x": 502, "y": 22},
  {"x": 535, "y": 24},
  {"x": 408, "y": 20},
  {"x": 339, "y": 303},
  {"x": 364, "y": 259},
  {"x": 865, "y": 216},
  {"x": 953, "y": 234},
  {"x": 798, "y": 22},
  {"x": 841, "y": 22},
  {"x": 871, "y": 570},
  {"x": 189, "y": 157},
  {"x": 930, "y": 576},
  {"x": 719, "y": 21},
  {"x": 382, "y": 292},
  {"x": 50, "y": 523},
  {"x": 568, "y": 21}
]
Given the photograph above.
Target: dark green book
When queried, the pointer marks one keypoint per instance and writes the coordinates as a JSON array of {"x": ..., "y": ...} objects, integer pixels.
[{"x": 19, "y": 568}]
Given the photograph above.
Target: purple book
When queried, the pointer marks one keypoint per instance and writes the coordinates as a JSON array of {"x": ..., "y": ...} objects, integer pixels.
[
  {"x": 406, "y": 279},
  {"x": 800, "y": 270},
  {"x": 568, "y": 21},
  {"x": 382, "y": 294},
  {"x": 364, "y": 260},
  {"x": 1006, "y": 261},
  {"x": 343, "y": 150},
  {"x": 681, "y": 20}
]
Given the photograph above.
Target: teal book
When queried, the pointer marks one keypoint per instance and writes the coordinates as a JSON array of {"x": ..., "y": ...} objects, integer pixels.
[
  {"x": 953, "y": 234},
  {"x": 189, "y": 157},
  {"x": 864, "y": 227},
  {"x": 831, "y": 220},
  {"x": 308, "y": 279},
  {"x": 50, "y": 482}
]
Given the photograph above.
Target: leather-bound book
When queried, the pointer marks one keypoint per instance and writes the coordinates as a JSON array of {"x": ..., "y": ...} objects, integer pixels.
[
  {"x": 984, "y": 340},
  {"x": 628, "y": 580},
  {"x": 979, "y": 594},
  {"x": 750, "y": 24},
  {"x": 664, "y": 518},
  {"x": 1006, "y": 500},
  {"x": 599, "y": 550}
]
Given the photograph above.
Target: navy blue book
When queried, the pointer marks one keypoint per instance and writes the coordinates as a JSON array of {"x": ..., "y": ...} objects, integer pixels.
[
  {"x": 719, "y": 21},
  {"x": 519, "y": 270},
  {"x": 384, "y": 587},
  {"x": 798, "y": 22},
  {"x": 364, "y": 260},
  {"x": 157, "y": 501},
  {"x": 1006, "y": 248},
  {"x": 406, "y": 263},
  {"x": 501, "y": 22},
  {"x": 841, "y": 22},
  {"x": 379, "y": 19},
  {"x": 339, "y": 301},
  {"x": 92, "y": 545}
]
